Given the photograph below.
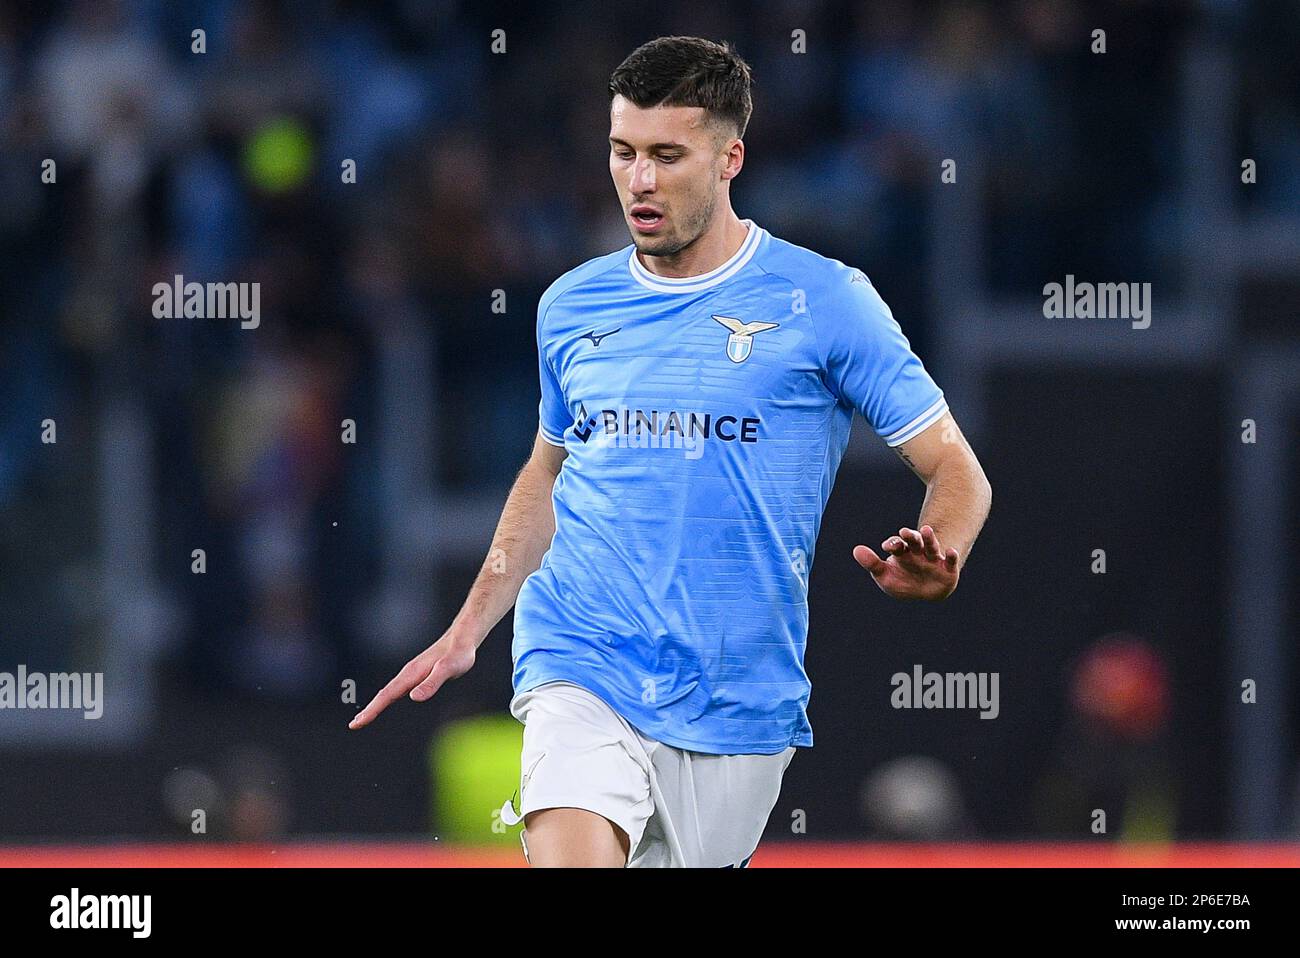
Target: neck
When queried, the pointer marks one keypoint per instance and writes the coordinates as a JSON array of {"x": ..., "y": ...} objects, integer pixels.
[{"x": 715, "y": 246}]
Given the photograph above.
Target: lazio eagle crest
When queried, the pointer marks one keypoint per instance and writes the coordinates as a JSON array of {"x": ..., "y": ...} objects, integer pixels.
[{"x": 741, "y": 341}]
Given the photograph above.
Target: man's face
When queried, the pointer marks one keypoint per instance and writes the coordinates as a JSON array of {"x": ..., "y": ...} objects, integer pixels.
[{"x": 668, "y": 165}]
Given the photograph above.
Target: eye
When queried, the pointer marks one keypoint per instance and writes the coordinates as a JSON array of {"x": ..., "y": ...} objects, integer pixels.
[
  {"x": 623, "y": 154},
  {"x": 670, "y": 158}
]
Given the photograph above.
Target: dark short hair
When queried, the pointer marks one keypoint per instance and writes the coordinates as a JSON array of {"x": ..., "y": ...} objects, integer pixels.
[{"x": 687, "y": 71}]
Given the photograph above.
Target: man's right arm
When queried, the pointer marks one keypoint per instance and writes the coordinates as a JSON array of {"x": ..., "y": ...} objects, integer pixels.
[{"x": 522, "y": 537}]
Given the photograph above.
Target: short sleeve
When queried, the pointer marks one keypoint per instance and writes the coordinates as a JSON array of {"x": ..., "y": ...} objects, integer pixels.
[
  {"x": 869, "y": 363},
  {"x": 552, "y": 413}
]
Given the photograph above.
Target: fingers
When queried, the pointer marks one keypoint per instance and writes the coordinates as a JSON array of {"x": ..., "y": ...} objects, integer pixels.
[
  {"x": 400, "y": 684},
  {"x": 367, "y": 714},
  {"x": 930, "y": 538},
  {"x": 913, "y": 543},
  {"x": 868, "y": 559},
  {"x": 913, "y": 539},
  {"x": 894, "y": 546},
  {"x": 432, "y": 682},
  {"x": 918, "y": 566}
]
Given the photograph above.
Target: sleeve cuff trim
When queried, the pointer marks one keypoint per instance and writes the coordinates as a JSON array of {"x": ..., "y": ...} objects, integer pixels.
[{"x": 919, "y": 424}]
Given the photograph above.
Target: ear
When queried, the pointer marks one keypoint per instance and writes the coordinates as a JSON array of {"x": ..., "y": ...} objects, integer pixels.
[{"x": 733, "y": 158}]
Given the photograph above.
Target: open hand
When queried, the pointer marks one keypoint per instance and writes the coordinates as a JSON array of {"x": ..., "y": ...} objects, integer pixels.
[
  {"x": 448, "y": 658},
  {"x": 917, "y": 567}
]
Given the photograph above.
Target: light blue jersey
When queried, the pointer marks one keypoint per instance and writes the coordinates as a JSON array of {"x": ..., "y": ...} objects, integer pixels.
[{"x": 705, "y": 419}]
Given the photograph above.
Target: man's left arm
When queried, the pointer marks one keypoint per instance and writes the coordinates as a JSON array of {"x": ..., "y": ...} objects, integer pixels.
[{"x": 926, "y": 562}]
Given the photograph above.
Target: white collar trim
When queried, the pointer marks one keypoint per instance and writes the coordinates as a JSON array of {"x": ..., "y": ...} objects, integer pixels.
[{"x": 694, "y": 284}]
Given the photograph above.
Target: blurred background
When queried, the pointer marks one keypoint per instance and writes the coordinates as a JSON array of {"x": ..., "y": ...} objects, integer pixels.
[{"x": 481, "y": 174}]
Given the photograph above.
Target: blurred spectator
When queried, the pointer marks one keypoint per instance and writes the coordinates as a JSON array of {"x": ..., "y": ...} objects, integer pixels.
[
  {"x": 916, "y": 799},
  {"x": 1113, "y": 753}
]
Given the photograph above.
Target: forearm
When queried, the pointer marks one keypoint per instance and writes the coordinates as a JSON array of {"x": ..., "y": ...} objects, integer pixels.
[
  {"x": 957, "y": 501},
  {"x": 522, "y": 537}
]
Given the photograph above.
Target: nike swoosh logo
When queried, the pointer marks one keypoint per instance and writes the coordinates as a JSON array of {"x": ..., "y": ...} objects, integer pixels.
[{"x": 596, "y": 338}]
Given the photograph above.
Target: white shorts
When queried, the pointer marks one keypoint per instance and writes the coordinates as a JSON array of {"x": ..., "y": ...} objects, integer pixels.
[{"x": 679, "y": 808}]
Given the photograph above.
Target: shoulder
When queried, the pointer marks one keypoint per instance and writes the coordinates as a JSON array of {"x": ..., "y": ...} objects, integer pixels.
[
  {"x": 584, "y": 274},
  {"x": 825, "y": 280},
  {"x": 838, "y": 298}
]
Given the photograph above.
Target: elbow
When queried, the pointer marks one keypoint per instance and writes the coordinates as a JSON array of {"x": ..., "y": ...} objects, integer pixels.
[
  {"x": 985, "y": 490},
  {"x": 975, "y": 480},
  {"x": 972, "y": 473},
  {"x": 976, "y": 477}
]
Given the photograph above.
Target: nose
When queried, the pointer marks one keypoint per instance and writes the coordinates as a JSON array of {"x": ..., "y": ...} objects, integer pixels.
[{"x": 643, "y": 176}]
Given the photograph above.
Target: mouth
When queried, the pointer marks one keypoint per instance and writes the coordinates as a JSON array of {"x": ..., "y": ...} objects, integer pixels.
[{"x": 645, "y": 219}]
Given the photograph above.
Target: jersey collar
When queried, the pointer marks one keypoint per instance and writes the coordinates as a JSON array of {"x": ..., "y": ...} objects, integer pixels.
[{"x": 695, "y": 284}]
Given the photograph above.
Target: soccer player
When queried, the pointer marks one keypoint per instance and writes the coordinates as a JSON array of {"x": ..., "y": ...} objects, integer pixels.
[{"x": 697, "y": 389}]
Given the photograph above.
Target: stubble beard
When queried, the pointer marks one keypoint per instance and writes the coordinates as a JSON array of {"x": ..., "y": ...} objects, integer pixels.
[{"x": 673, "y": 245}]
